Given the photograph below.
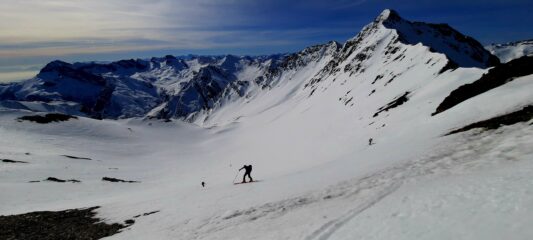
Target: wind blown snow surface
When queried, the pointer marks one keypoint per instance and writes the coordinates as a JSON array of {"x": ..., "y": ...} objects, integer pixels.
[{"x": 307, "y": 138}]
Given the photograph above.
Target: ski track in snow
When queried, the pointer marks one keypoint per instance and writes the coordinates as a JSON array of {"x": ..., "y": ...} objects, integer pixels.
[
  {"x": 470, "y": 152},
  {"x": 459, "y": 154}
]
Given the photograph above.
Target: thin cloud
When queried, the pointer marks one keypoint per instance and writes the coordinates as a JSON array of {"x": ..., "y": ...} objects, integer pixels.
[{"x": 59, "y": 27}]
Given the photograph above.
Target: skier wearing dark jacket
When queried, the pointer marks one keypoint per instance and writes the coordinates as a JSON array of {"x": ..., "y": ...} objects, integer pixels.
[{"x": 247, "y": 171}]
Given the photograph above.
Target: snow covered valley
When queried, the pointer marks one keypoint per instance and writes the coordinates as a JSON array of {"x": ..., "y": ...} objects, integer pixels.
[{"x": 346, "y": 144}]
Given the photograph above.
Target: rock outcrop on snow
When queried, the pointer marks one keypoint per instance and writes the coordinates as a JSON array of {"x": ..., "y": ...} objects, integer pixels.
[
  {"x": 495, "y": 77},
  {"x": 67, "y": 224},
  {"x": 523, "y": 115},
  {"x": 48, "y": 118}
]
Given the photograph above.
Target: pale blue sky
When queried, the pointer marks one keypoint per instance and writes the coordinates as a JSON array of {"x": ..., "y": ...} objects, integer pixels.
[{"x": 35, "y": 32}]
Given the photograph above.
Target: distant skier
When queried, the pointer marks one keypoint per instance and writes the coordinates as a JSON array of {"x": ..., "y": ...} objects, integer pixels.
[
  {"x": 203, "y": 184},
  {"x": 370, "y": 141},
  {"x": 247, "y": 171}
]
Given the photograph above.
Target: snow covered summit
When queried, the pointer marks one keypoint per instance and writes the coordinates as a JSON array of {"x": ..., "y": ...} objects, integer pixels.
[{"x": 463, "y": 50}]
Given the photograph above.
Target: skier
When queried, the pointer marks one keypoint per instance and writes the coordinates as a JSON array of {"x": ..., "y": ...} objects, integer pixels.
[
  {"x": 203, "y": 184},
  {"x": 247, "y": 171}
]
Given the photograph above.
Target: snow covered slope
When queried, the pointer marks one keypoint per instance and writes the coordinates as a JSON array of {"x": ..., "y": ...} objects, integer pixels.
[
  {"x": 341, "y": 137},
  {"x": 513, "y": 50}
]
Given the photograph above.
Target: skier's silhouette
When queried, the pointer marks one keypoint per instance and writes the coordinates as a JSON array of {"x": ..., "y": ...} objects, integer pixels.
[
  {"x": 247, "y": 171},
  {"x": 203, "y": 184}
]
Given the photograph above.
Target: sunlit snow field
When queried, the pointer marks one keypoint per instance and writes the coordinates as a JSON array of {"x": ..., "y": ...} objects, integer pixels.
[{"x": 319, "y": 178}]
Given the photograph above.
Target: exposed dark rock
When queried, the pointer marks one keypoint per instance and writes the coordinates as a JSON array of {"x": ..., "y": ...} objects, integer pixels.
[
  {"x": 74, "y": 224},
  {"x": 496, "y": 77},
  {"x": 48, "y": 118},
  {"x": 12, "y": 161},
  {"x": 394, "y": 103},
  {"x": 348, "y": 101},
  {"x": 312, "y": 91},
  {"x": 131, "y": 64},
  {"x": 74, "y": 157},
  {"x": 203, "y": 92},
  {"x": 102, "y": 100},
  {"x": 377, "y": 78},
  {"x": 67, "y": 70},
  {"x": 450, "y": 65},
  {"x": 390, "y": 80},
  {"x": 53, "y": 179},
  {"x": 129, "y": 221},
  {"x": 110, "y": 179},
  {"x": 523, "y": 115},
  {"x": 145, "y": 214},
  {"x": 300, "y": 59}
]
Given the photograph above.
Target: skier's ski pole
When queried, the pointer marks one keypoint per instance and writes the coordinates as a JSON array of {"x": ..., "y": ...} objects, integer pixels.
[{"x": 236, "y": 176}]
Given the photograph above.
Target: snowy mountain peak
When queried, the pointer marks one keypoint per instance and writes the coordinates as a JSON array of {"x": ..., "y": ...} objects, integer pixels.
[
  {"x": 463, "y": 50},
  {"x": 56, "y": 71},
  {"x": 230, "y": 63},
  {"x": 392, "y": 39},
  {"x": 54, "y": 64},
  {"x": 388, "y": 15}
]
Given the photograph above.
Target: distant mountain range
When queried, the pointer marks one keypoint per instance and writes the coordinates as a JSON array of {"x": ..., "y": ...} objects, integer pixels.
[
  {"x": 513, "y": 50},
  {"x": 198, "y": 88}
]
